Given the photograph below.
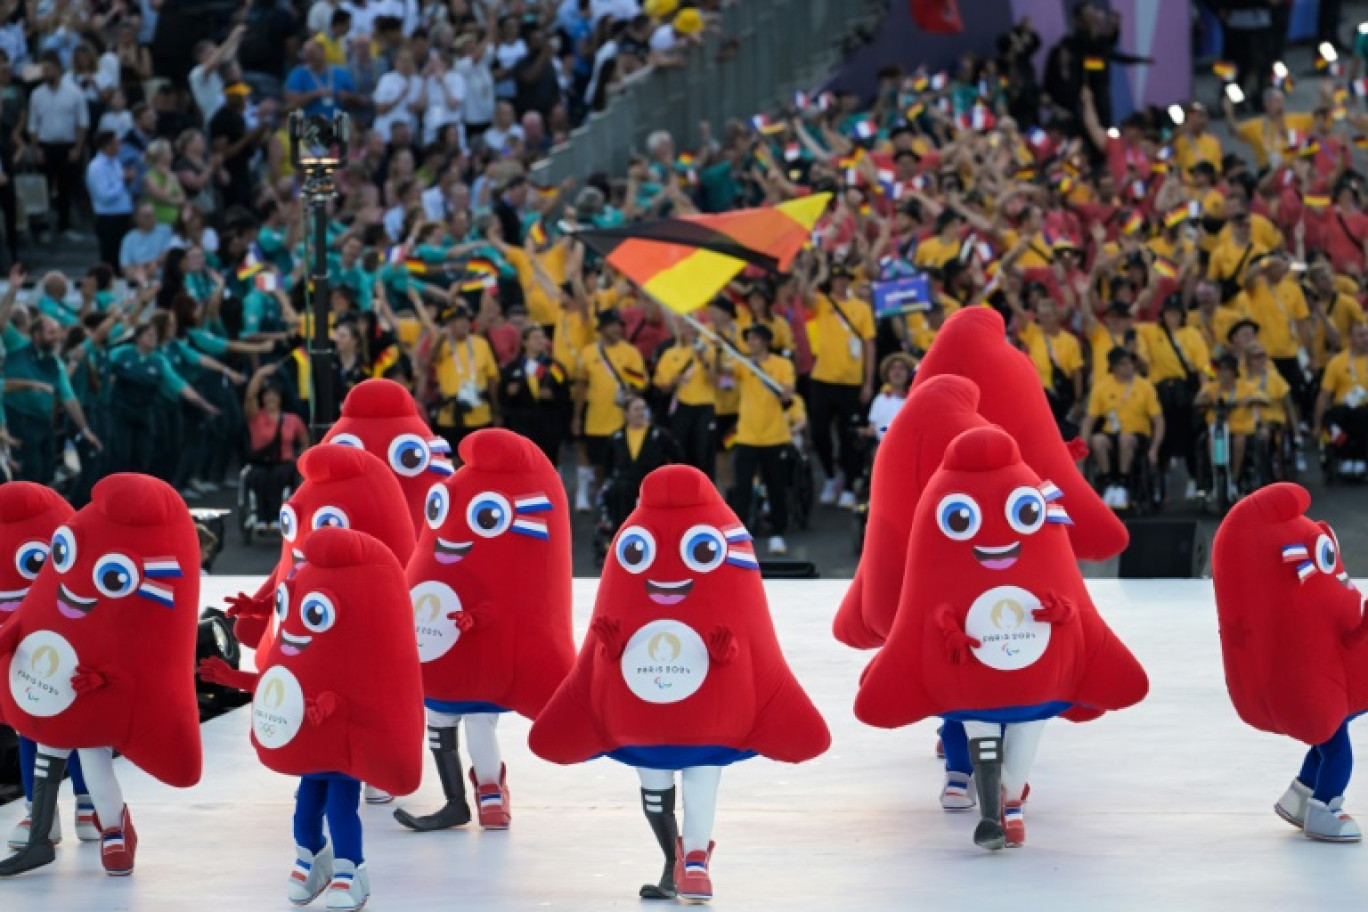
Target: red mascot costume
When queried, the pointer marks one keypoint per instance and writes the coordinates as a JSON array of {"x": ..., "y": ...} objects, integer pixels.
[
  {"x": 999, "y": 630},
  {"x": 973, "y": 344},
  {"x": 1293, "y": 639},
  {"x": 339, "y": 700},
  {"x": 29, "y": 514},
  {"x": 100, "y": 658},
  {"x": 490, "y": 583},
  {"x": 682, "y": 670},
  {"x": 381, "y": 417},
  {"x": 343, "y": 488}
]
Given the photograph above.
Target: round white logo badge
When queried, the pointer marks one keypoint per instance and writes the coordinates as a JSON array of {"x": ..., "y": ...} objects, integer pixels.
[
  {"x": 277, "y": 708},
  {"x": 437, "y": 633},
  {"x": 1001, "y": 620},
  {"x": 665, "y": 662},
  {"x": 40, "y": 674}
]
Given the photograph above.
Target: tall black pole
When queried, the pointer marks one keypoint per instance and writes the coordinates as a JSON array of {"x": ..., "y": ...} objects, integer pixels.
[{"x": 322, "y": 401}]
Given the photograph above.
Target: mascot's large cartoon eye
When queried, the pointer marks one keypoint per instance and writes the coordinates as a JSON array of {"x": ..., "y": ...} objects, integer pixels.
[
  {"x": 63, "y": 549},
  {"x": 703, "y": 549},
  {"x": 436, "y": 507},
  {"x": 347, "y": 440},
  {"x": 30, "y": 557},
  {"x": 282, "y": 602},
  {"x": 1026, "y": 510},
  {"x": 489, "y": 515},
  {"x": 409, "y": 455},
  {"x": 289, "y": 523},
  {"x": 329, "y": 518},
  {"x": 1326, "y": 554},
  {"x": 635, "y": 549},
  {"x": 317, "y": 612},
  {"x": 115, "y": 575},
  {"x": 958, "y": 517}
]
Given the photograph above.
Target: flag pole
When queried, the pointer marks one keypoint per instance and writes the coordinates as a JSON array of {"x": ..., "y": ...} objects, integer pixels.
[{"x": 705, "y": 331}]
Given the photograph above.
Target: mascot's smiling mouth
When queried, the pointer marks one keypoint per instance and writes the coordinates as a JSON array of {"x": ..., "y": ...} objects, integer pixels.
[
  {"x": 72, "y": 605},
  {"x": 9, "y": 601},
  {"x": 668, "y": 593},
  {"x": 293, "y": 645},
  {"x": 998, "y": 558},
  {"x": 449, "y": 552}
]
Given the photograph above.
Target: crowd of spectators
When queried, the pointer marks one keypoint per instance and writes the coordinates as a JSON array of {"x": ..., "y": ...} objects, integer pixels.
[{"x": 1149, "y": 269}]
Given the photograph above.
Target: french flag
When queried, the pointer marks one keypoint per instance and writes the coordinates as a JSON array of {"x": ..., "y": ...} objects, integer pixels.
[{"x": 161, "y": 567}]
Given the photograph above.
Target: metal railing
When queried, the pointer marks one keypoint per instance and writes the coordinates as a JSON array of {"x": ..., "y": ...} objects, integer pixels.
[{"x": 781, "y": 47}]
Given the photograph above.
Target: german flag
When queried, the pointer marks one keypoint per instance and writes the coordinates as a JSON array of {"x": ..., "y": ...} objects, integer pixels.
[
  {"x": 416, "y": 267},
  {"x": 1224, "y": 69},
  {"x": 384, "y": 361},
  {"x": 538, "y": 233},
  {"x": 1316, "y": 202},
  {"x": 1133, "y": 224},
  {"x": 1165, "y": 268},
  {"x": 474, "y": 284},
  {"x": 1176, "y": 217},
  {"x": 684, "y": 262},
  {"x": 1094, "y": 64},
  {"x": 1361, "y": 141},
  {"x": 557, "y": 372},
  {"x": 251, "y": 265},
  {"x": 482, "y": 266}
]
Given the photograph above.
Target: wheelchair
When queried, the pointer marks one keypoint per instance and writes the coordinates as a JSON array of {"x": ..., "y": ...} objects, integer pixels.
[
  {"x": 1144, "y": 485},
  {"x": 250, "y": 521}
]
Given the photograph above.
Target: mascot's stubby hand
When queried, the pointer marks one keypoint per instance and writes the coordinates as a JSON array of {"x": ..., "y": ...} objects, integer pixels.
[
  {"x": 722, "y": 647},
  {"x": 87, "y": 680},
  {"x": 1054, "y": 609},
  {"x": 1357, "y": 636},
  {"x": 247, "y": 606},
  {"x": 957, "y": 642},
  {"x": 609, "y": 633},
  {"x": 322, "y": 708},
  {"x": 214, "y": 670}
]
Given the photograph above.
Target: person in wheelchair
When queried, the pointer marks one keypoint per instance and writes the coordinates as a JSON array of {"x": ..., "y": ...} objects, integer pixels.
[
  {"x": 896, "y": 374},
  {"x": 277, "y": 438},
  {"x": 1241, "y": 398},
  {"x": 633, "y": 452},
  {"x": 1342, "y": 408},
  {"x": 1279, "y": 416},
  {"x": 1131, "y": 423}
]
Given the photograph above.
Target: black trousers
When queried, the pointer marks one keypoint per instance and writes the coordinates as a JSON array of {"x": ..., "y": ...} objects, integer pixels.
[
  {"x": 835, "y": 410},
  {"x": 9, "y": 210},
  {"x": 109, "y": 232},
  {"x": 1292, "y": 372},
  {"x": 1354, "y": 423},
  {"x": 694, "y": 427},
  {"x": 269, "y": 483},
  {"x": 772, "y": 463},
  {"x": 62, "y": 177},
  {"x": 37, "y": 456}
]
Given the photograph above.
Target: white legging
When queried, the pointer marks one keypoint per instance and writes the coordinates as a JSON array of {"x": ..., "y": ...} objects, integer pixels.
[
  {"x": 1019, "y": 744},
  {"x": 699, "y": 793},
  {"x": 97, "y": 763},
  {"x": 480, "y": 741}
]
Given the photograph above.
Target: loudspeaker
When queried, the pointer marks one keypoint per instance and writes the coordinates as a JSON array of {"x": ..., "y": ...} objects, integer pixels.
[{"x": 1165, "y": 548}]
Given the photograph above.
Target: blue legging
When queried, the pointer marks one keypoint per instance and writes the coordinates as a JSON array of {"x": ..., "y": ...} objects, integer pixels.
[
  {"x": 28, "y": 752},
  {"x": 339, "y": 798},
  {"x": 956, "y": 745},
  {"x": 1327, "y": 766}
]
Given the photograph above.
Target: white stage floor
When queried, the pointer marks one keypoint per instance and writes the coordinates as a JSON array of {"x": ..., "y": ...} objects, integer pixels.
[{"x": 1167, "y": 805}]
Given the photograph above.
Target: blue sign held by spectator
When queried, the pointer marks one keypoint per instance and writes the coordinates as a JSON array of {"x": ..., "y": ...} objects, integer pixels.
[{"x": 902, "y": 296}]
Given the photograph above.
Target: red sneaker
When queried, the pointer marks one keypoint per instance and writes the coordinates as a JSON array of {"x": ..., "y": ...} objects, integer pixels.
[
  {"x": 1013, "y": 824},
  {"x": 492, "y": 800},
  {"x": 692, "y": 883},
  {"x": 118, "y": 845}
]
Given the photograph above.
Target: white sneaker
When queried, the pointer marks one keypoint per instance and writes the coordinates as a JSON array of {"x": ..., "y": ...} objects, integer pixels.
[
  {"x": 1122, "y": 499},
  {"x": 1109, "y": 496},
  {"x": 1292, "y": 805},
  {"x": 777, "y": 545},
  {"x": 585, "y": 480},
  {"x": 829, "y": 490},
  {"x": 19, "y": 837},
  {"x": 87, "y": 827},
  {"x": 1301, "y": 463},
  {"x": 1190, "y": 492},
  {"x": 1329, "y": 823},
  {"x": 958, "y": 792},
  {"x": 350, "y": 887},
  {"x": 311, "y": 874},
  {"x": 846, "y": 501},
  {"x": 377, "y": 796}
]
